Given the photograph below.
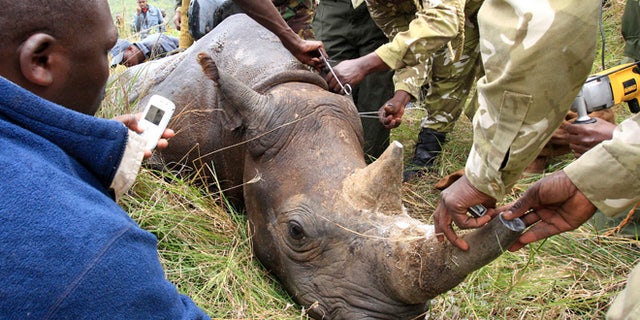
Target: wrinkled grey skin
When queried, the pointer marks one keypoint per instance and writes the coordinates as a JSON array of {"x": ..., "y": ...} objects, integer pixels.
[{"x": 331, "y": 228}]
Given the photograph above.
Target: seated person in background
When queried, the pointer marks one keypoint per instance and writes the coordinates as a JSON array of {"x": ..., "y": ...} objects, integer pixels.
[
  {"x": 154, "y": 46},
  {"x": 147, "y": 18}
]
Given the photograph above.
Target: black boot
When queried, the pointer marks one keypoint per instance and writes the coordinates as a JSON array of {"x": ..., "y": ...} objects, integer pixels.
[{"x": 429, "y": 146}]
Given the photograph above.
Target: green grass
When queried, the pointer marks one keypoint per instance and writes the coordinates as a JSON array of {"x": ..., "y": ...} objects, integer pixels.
[{"x": 205, "y": 249}]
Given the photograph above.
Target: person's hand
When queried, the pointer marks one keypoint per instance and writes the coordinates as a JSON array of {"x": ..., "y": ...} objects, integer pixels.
[
  {"x": 584, "y": 136},
  {"x": 131, "y": 122},
  {"x": 452, "y": 207},
  {"x": 390, "y": 114},
  {"x": 552, "y": 205},
  {"x": 306, "y": 51},
  {"x": 353, "y": 71},
  {"x": 138, "y": 10},
  {"x": 177, "y": 18}
]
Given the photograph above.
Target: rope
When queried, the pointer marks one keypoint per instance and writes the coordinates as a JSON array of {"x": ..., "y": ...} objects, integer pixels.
[{"x": 624, "y": 222}]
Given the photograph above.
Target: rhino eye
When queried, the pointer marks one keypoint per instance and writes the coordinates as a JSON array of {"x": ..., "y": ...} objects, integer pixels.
[{"x": 296, "y": 231}]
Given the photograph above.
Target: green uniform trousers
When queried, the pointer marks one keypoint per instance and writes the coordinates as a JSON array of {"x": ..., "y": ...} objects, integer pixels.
[{"x": 349, "y": 33}]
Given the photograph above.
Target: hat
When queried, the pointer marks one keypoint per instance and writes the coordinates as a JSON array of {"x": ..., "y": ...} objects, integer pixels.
[{"x": 117, "y": 52}]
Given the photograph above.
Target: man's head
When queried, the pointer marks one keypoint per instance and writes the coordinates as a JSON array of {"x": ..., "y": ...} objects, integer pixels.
[
  {"x": 143, "y": 5},
  {"x": 58, "y": 49},
  {"x": 126, "y": 53}
]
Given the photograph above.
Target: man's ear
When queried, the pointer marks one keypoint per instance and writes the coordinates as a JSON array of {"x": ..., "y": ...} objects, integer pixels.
[{"x": 36, "y": 59}]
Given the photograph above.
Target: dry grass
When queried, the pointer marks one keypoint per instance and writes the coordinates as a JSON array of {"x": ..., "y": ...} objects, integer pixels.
[{"x": 205, "y": 248}]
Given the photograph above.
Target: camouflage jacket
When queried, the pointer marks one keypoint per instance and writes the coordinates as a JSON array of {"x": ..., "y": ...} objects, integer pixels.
[
  {"x": 416, "y": 33},
  {"x": 536, "y": 56},
  {"x": 298, "y": 14},
  {"x": 609, "y": 174}
]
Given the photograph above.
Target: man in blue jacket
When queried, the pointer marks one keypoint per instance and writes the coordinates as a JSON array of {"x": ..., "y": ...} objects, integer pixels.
[
  {"x": 147, "y": 18},
  {"x": 67, "y": 250}
]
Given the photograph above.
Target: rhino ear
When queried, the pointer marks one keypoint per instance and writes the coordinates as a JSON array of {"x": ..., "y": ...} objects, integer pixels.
[
  {"x": 248, "y": 103},
  {"x": 378, "y": 186}
]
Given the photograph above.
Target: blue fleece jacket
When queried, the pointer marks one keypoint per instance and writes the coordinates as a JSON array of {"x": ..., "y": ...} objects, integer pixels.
[{"x": 67, "y": 250}]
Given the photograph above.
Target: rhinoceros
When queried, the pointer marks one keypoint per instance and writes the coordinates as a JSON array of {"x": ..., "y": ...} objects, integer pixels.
[{"x": 331, "y": 228}]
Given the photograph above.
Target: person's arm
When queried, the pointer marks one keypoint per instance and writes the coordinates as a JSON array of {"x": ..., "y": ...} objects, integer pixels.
[
  {"x": 131, "y": 121},
  {"x": 137, "y": 21},
  {"x": 609, "y": 173},
  {"x": 430, "y": 30},
  {"x": 584, "y": 136},
  {"x": 551, "y": 206},
  {"x": 390, "y": 114},
  {"x": 407, "y": 81},
  {"x": 606, "y": 177},
  {"x": 519, "y": 106},
  {"x": 407, "y": 85},
  {"x": 265, "y": 13}
]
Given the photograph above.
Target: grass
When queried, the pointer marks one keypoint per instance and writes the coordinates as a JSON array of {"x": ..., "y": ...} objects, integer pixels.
[{"x": 205, "y": 248}]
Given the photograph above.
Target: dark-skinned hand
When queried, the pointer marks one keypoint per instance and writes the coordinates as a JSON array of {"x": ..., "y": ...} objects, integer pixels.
[
  {"x": 353, "y": 71},
  {"x": 390, "y": 114},
  {"x": 454, "y": 202},
  {"x": 584, "y": 136},
  {"x": 131, "y": 122},
  {"x": 307, "y": 52},
  {"x": 551, "y": 206}
]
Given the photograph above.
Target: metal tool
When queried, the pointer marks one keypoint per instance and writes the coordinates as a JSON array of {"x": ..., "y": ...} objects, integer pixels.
[
  {"x": 605, "y": 89},
  {"x": 346, "y": 89},
  {"x": 516, "y": 224},
  {"x": 477, "y": 211}
]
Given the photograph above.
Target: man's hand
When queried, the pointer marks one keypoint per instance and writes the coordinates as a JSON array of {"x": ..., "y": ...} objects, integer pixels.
[
  {"x": 265, "y": 13},
  {"x": 552, "y": 205},
  {"x": 307, "y": 52},
  {"x": 131, "y": 122},
  {"x": 452, "y": 207},
  {"x": 584, "y": 136},
  {"x": 390, "y": 114},
  {"x": 353, "y": 71}
]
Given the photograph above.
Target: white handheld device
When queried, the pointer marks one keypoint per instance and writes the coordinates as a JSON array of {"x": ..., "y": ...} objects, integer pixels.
[{"x": 155, "y": 118}]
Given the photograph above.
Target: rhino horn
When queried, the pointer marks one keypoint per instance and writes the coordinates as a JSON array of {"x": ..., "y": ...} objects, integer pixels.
[
  {"x": 378, "y": 186},
  {"x": 433, "y": 267},
  {"x": 248, "y": 102}
]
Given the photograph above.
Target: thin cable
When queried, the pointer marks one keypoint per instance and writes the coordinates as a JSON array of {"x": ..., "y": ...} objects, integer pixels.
[{"x": 602, "y": 37}]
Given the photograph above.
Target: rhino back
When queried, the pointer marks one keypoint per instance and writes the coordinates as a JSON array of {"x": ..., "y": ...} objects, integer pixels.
[{"x": 205, "y": 128}]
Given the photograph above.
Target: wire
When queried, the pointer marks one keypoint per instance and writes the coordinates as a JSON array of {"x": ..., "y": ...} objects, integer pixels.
[{"x": 602, "y": 36}]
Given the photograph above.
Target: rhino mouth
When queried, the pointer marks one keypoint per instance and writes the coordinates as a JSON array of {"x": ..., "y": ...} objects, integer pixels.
[{"x": 339, "y": 302}]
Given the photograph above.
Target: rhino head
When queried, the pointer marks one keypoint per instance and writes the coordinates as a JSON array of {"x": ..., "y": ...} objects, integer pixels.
[{"x": 331, "y": 228}]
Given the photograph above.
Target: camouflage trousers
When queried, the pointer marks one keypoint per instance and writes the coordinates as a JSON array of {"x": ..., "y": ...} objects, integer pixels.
[
  {"x": 448, "y": 83},
  {"x": 441, "y": 84},
  {"x": 349, "y": 33},
  {"x": 631, "y": 29}
]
